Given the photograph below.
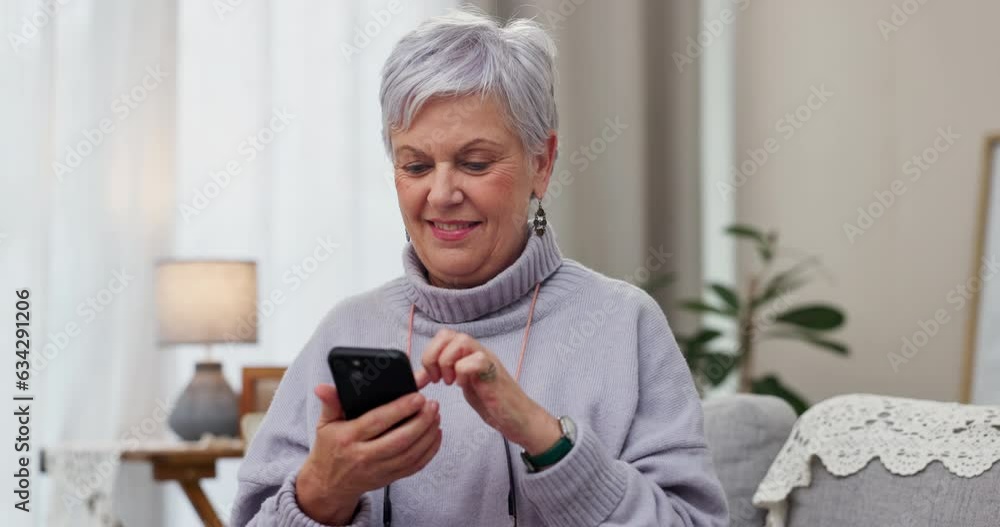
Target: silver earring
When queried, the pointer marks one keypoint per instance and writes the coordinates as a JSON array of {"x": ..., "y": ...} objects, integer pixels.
[
  {"x": 407, "y": 233},
  {"x": 539, "y": 222}
]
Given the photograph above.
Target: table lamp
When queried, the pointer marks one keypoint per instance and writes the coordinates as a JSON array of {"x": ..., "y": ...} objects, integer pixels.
[{"x": 206, "y": 302}]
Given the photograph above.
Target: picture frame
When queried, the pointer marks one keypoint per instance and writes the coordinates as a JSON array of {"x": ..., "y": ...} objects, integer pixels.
[
  {"x": 981, "y": 364},
  {"x": 259, "y": 386}
]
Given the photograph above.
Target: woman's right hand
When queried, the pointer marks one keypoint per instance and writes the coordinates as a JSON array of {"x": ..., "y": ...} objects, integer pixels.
[{"x": 352, "y": 457}]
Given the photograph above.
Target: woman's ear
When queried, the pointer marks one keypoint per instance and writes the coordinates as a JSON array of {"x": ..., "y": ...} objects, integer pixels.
[{"x": 544, "y": 163}]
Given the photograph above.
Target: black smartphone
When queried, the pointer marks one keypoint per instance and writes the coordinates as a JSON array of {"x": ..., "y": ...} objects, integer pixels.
[{"x": 367, "y": 378}]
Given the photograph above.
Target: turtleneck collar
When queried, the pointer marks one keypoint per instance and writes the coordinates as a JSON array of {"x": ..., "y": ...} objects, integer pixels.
[{"x": 539, "y": 259}]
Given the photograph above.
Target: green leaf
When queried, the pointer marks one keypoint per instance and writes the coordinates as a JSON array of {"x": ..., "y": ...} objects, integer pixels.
[
  {"x": 770, "y": 385},
  {"x": 817, "y": 317},
  {"x": 775, "y": 290},
  {"x": 765, "y": 242},
  {"x": 746, "y": 231},
  {"x": 812, "y": 338},
  {"x": 658, "y": 282},
  {"x": 704, "y": 336},
  {"x": 693, "y": 347},
  {"x": 692, "y": 354},
  {"x": 835, "y": 346},
  {"x": 783, "y": 282},
  {"x": 702, "y": 307},
  {"x": 716, "y": 367},
  {"x": 728, "y": 296}
]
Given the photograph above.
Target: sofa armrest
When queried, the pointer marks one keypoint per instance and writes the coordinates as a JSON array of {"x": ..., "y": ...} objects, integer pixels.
[{"x": 745, "y": 433}]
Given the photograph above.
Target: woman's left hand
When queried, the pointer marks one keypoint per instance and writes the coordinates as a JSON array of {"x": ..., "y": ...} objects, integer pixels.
[{"x": 455, "y": 357}]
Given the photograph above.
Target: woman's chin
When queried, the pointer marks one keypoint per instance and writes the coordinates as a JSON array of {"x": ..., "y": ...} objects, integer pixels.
[{"x": 454, "y": 272}]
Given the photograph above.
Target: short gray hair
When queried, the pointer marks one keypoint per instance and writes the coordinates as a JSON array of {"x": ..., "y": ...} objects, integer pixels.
[{"x": 468, "y": 53}]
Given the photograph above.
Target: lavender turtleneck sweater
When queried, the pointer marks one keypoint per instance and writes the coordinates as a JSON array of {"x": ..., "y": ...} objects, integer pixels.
[{"x": 600, "y": 352}]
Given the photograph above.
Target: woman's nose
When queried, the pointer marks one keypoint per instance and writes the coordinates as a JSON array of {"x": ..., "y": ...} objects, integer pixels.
[{"x": 445, "y": 183}]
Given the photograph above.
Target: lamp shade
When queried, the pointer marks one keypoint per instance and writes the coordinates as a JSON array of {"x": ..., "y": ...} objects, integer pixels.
[{"x": 206, "y": 301}]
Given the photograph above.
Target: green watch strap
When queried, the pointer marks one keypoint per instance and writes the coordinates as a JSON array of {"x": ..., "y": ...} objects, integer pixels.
[{"x": 550, "y": 456}]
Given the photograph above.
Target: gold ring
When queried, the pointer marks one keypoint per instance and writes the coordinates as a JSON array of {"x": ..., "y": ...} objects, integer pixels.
[{"x": 490, "y": 374}]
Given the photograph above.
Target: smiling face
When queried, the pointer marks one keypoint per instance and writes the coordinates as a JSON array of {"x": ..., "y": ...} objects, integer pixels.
[{"x": 464, "y": 183}]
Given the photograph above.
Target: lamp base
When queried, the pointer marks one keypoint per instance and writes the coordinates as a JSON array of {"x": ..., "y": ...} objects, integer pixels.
[{"x": 207, "y": 406}]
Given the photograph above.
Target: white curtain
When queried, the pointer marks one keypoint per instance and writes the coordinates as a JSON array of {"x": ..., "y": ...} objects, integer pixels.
[
  {"x": 87, "y": 187},
  {"x": 231, "y": 130}
]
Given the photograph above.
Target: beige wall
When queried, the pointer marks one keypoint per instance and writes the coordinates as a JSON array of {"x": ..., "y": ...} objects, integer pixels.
[{"x": 890, "y": 97}]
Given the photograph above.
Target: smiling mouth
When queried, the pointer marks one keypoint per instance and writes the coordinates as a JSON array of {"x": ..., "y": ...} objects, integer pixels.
[
  {"x": 452, "y": 231},
  {"x": 453, "y": 226}
]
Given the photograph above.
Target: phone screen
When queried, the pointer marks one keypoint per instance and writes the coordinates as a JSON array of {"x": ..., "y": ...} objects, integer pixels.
[{"x": 367, "y": 378}]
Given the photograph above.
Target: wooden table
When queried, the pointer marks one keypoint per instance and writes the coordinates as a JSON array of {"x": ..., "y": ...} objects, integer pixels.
[{"x": 186, "y": 463}]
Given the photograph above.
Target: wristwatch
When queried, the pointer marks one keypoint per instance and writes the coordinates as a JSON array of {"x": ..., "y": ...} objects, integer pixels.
[{"x": 557, "y": 451}]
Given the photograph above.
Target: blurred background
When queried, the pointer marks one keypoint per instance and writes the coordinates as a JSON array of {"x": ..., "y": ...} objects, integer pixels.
[{"x": 806, "y": 187}]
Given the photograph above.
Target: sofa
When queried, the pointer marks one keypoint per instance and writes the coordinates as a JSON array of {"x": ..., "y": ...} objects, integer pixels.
[{"x": 746, "y": 432}]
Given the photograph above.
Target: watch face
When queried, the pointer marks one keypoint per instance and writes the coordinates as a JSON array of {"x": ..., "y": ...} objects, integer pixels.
[{"x": 568, "y": 428}]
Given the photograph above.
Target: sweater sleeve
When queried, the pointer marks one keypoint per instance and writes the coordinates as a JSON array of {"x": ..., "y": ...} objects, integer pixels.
[
  {"x": 663, "y": 475},
  {"x": 266, "y": 493},
  {"x": 278, "y": 506}
]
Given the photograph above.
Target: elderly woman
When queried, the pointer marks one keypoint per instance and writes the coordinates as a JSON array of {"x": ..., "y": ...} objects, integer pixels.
[{"x": 604, "y": 431}]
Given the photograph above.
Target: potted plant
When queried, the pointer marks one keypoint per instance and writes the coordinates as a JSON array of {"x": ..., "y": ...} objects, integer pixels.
[{"x": 761, "y": 311}]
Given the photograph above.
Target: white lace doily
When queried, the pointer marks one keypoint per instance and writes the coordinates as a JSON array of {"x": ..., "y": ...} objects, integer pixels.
[
  {"x": 847, "y": 432},
  {"x": 83, "y": 482}
]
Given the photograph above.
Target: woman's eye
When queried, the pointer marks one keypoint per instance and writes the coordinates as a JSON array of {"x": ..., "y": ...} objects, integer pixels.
[
  {"x": 476, "y": 167},
  {"x": 416, "y": 168}
]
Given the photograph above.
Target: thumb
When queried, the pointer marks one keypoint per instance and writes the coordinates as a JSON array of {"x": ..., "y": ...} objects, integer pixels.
[{"x": 327, "y": 395}]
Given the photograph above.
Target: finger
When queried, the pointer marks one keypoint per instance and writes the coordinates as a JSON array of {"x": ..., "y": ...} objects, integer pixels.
[
  {"x": 429, "y": 358},
  {"x": 376, "y": 421},
  {"x": 419, "y": 455},
  {"x": 459, "y": 347},
  {"x": 476, "y": 368},
  {"x": 422, "y": 377},
  {"x": 331, "y": 409},
  {"x": 431, "y": 451},
  {"x": 407, "y": 461},
  {"x": 396, "y": 442}
]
